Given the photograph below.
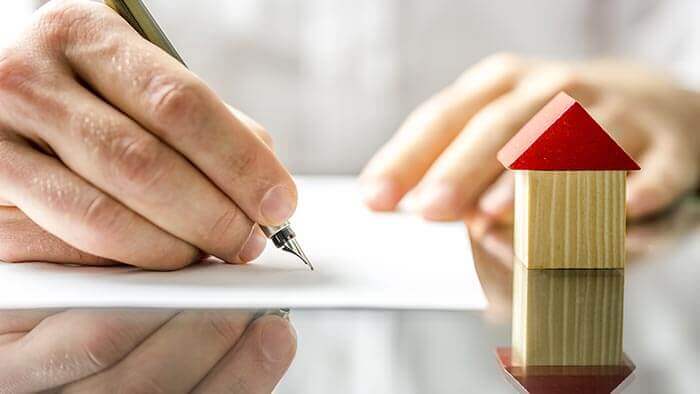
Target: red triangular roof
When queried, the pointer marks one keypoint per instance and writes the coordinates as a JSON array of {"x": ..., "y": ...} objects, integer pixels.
[{"x": 563, "y": 136}]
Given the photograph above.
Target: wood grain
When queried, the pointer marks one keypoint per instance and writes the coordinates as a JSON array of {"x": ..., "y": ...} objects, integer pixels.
[
  {"x": 567, "y": 316},
  {"x": 570, "y": 219}
]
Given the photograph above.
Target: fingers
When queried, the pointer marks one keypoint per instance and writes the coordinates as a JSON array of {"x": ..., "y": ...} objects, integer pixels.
[
  {"x": 115, "y": 154},
  {"x": 89, "y": 342},
  {"x": 621, "y": 118},
  {"x": 469, "y": 165},
  {"x": 497, "y": 201},
  {"x": 258, "y": 361},
  {"x": 403, "y": 161},
  {"x": 23, "y": 240},
  {"x": 669, "y": 169},
  {"x": 82, "y": 216},
  {"x": 170, "y": 102},
  {"x": 175, "y": 358}
]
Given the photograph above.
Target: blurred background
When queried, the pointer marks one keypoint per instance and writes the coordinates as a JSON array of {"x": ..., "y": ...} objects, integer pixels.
[{"x": 332, "y": 80}]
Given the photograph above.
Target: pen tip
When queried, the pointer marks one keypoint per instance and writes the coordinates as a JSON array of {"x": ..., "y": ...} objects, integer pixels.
[{"x": 292, "y": 246}]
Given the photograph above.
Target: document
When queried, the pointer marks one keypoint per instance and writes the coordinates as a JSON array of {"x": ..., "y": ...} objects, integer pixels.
[{"x": 363, "y": 259}]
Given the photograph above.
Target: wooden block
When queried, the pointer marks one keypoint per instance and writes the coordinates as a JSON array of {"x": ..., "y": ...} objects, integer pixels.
[
  {"x": 570, "y": 219},
  {"x": 567, "y": 317}
]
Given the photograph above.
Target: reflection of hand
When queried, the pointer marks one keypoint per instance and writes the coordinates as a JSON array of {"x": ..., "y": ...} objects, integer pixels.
[
  {"x": 112, "y": 146},
  {"x": 143, "y": 351},
  {"x": 492, "y": 248},
  {"x": 446, "y": 149}
]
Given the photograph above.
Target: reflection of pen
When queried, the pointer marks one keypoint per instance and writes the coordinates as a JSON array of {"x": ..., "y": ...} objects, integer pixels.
[{"x": 138, "y": 16}]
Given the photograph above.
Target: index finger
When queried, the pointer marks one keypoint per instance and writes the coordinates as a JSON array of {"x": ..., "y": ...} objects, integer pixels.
[
  {"x": 169, "y": 101},
  {"x": 426, "y": 133}
]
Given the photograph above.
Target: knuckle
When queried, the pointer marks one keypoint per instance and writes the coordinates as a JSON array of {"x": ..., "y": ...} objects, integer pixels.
[
  {"x": 227, "y": 329},
  {"x": 62, "y": 21},
  {"x": 503, "y": 60},
  {"x": 105, "y": 218},
  {"x": 244, "y": 162},
  {"x": 14, "y": 73},
  {"x": 24, "y": 87},
  {"x": 138, "y": 163},
  {"x": 104, "y": 343},
  {"x": 502, "y": 66},
  {"x": 612, "y": 113},
  {"x": 241, "y": 386},
  {"x": 230, "y": 222},
  {"x": 568, "y": 81},
  {"x": 175, "y": 100}
]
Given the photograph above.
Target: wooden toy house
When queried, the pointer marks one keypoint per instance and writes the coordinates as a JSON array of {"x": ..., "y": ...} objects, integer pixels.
[{"x": 569, "y": 190}]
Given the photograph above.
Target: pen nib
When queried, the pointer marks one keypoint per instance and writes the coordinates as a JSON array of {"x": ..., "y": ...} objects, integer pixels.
[{"x": 292, "y": 246}]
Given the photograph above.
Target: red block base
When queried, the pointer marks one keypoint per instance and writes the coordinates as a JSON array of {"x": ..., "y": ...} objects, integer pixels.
[{"x": 564, "y": 379}]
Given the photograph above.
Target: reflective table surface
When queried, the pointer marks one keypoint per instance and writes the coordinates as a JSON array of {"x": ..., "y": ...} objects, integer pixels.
[
  {"x": 355, "y": 351},
  {"x": 454, "y": 352}
]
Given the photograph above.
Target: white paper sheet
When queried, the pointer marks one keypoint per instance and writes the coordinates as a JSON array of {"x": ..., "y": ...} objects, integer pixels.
[{"x": 362, "y": 260}]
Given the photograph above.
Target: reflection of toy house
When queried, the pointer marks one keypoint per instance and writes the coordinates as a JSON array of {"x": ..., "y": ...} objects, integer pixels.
[
  {"x": 569, "y": 190},
  {"x": 567, "y": 317}
]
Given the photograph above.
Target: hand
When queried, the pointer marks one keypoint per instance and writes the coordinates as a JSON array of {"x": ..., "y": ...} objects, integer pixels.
[
  {"x": 115, "y": 149},
  {"x": 446, "y": 149},
  {"x": 106, "y": 351}
]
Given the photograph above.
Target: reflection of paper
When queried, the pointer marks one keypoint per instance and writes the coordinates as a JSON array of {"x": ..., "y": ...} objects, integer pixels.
[{"x": 362, "y": 260}]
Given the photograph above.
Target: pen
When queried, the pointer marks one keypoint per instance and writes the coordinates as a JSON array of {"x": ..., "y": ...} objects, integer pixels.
[{"x": 136, "y": 13}]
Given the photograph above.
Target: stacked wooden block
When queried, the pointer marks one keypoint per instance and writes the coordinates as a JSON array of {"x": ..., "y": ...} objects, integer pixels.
[{"x": 569, "y": 238}]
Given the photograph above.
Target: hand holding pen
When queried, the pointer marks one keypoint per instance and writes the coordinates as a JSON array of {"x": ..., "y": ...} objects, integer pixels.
[{"x": 112, "y": 151}]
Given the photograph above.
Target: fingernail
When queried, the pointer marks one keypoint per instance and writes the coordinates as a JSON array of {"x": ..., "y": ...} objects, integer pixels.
[
  {"x": 277, "y": 205},
  {"x": 277, "y": 339},
  {"x": 253, "y": 247},
  {"x": 379, "y": 194},
  {"x": 440, "y": 201}
]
